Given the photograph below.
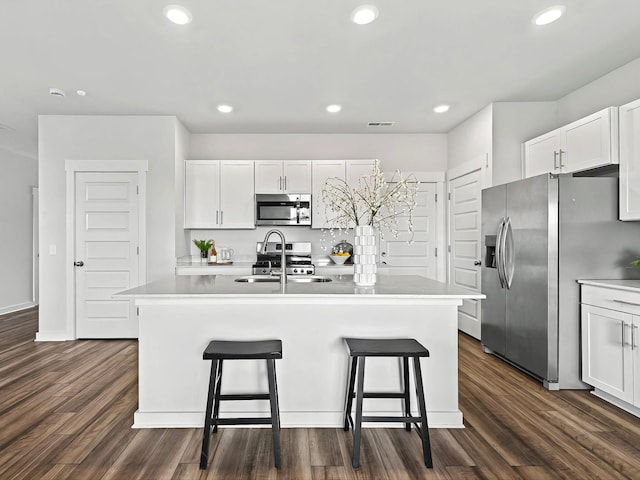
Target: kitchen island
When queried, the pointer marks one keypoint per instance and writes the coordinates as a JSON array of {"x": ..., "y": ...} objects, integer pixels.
[{"x": 180, "y": 315}]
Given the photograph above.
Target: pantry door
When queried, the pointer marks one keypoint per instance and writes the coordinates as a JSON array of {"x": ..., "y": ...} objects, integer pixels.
[
  {"x": 465, "y": 209},
  {"x": 107, "y": 253}
]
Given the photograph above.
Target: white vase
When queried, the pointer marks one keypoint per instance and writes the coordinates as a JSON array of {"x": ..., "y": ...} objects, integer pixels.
[{"x": 364, "y": 256}]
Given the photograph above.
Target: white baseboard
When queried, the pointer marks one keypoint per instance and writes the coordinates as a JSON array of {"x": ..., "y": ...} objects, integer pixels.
[
  {"x": 52, "y": 337},
  {"x": 16, "y": 308}
]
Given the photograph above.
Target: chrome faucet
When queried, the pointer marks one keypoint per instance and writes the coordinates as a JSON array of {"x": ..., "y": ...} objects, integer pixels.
[{"x": 283, "y": 258}]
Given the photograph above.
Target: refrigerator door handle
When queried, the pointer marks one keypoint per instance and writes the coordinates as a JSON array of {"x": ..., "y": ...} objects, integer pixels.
[
  {"x": 506, "y": 249},
  {"x": 498, "y": 253}
]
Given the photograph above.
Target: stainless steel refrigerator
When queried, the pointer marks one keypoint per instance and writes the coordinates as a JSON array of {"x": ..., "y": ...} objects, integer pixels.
[{"x": 540, "y": 235}]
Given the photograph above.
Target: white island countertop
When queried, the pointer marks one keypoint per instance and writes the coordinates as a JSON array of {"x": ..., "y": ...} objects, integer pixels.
[{"x": 202, "y": 286}]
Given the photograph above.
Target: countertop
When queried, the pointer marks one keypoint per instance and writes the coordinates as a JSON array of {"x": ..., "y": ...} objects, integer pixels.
[
  {"x": 628, "y": 285},
  {"x": 212, "y": 286}
]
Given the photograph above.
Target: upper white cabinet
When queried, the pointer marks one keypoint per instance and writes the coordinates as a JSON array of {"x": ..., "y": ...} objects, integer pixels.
[
  {"x": 587, "y": 143},
  {"x": 282, "y": 176},
  {"x": 321, "y": 171},
  {"x": 630, "y": 161},
  {"x": 349, "y": 170},
  {"x": 219, "y": 194}
]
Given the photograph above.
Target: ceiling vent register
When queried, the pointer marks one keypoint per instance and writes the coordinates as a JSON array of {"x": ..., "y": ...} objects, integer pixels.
[{"x": 381, "y": 124}]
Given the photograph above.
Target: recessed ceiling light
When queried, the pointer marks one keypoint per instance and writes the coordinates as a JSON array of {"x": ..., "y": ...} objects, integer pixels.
[
  {"x": 81, "y": 93},
  {"x": 225, "y": 108},
  {"x": 549, "y": 15},
  {"x": 441, "y": 108},
  {"x": 177, "y": 14},
  {"x": 364, "y": 14},
  {"x": 334, "y": 108}
]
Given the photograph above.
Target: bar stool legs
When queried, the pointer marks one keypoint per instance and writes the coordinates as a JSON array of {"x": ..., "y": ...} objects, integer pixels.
[
  {"x": 275, "y": 410},
  {"x": 217, "y": 351},
  {"x": 359, "y": 349}
]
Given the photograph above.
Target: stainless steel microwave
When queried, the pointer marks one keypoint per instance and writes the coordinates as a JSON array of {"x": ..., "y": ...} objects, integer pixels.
[{"x": 283, "y": 209}]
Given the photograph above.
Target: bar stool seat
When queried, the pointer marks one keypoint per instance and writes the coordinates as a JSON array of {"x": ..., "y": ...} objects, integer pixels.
[
  {"x": 219, "y": 350},
  {"x": 405, "y": 348}
]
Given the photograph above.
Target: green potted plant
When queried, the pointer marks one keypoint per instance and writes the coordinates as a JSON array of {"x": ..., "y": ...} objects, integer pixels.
[{"x": 204, "y": 246}]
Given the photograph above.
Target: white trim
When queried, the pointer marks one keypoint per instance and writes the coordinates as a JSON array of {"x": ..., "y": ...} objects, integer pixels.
[
  {"x": 52, "y": 337},
  {"x": 72, "y": 167},
  {"x": 481, "y": 162},
  {"x": 16, "y": 307},
  {"x": 35, "y": 246},
  {"x": 451, "y": 419},
  {"x": 106, "y": 165}
]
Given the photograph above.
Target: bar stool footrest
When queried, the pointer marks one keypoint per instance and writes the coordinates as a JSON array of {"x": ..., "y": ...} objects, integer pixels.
[
  {"x": 244, "y": 396},
  {"x": 379, "y": 418},
  {"x": 244, "y": 421}
]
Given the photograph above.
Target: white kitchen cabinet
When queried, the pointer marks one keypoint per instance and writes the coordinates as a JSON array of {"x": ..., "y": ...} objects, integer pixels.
[
  {"x": 610, "y": 323},
  {"x": 587, "y": 143},
  {"x": 349, "y": 170},
  {"x": 629, "y": 117},
  {"x": 282, "y": 176},
  {"x": 541, "y": 154},
  {"x": 321, "y": 171},
  {"x": 219, "y": 194}
]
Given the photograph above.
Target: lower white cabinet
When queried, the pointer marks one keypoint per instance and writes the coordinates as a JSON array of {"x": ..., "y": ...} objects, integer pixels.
[
  {"x": 219, "y": 194},
  {"x": 610, "y": 321}
]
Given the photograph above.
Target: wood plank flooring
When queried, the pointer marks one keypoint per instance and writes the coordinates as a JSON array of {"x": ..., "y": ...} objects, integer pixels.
[{"x": 66, "y": 410}]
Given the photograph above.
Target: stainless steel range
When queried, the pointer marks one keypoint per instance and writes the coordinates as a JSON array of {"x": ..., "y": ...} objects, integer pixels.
[{"x": 298, "y": 258}]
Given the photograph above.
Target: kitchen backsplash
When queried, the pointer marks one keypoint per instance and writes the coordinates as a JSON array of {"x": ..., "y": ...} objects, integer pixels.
[{"x": 244, "y": 242}]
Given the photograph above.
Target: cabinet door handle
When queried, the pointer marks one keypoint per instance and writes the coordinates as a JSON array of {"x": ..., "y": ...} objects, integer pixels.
[
  {"x": 555, "y": 160},
  {"x": 560, "y": 157},
  {"x": 216, "y": 217},
  {"x": 624, "y": 326},
  {"x": 280, "y": 182},
  {"x": 221, "y": 217},
  {"x": 634, "y": 344}
]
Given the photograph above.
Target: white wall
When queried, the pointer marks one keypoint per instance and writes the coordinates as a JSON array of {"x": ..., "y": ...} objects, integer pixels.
[
  {"x": 407, "y": 152},
  {"x": 181, "y": 154},
  {"x": 62, "y": 138},
  {"x": 618, "y": 87},
  {"x": 470, "y": 139},
  {"x": 19, "y": 175},
  {"x": 513, "y": 124}
]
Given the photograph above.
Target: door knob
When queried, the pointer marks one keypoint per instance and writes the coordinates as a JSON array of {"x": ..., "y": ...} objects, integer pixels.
[
  {"x": 477, "y": 263},
  {"x": 79, "y": 264}
]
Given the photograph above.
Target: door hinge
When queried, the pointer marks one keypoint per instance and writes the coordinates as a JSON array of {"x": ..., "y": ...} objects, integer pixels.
[
  {"x": 436, "y": 198},
  {"x": 449, "y": 248},
  {"x": 137, "y": 250},
  {"x": 436, "y": 252},
  {"x": 137, "y": 190},
  {"x": 137, "y": 311},
  {"x": 449, "y": 196}
]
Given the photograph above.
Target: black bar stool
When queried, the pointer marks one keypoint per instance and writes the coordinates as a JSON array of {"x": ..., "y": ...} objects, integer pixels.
[
  {"x": 219, "y": 350},
  {"x": 405, "y": 348}
]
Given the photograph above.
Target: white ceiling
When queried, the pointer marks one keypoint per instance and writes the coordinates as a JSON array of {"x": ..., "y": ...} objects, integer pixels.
[{"x": 280, "y": 62}]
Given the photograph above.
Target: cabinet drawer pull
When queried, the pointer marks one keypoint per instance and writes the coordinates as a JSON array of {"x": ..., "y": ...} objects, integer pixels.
[
  {"x": 634, "y": 344},
  {"x": 627, "y": 303},
  {"x": 560, "y": 157}
]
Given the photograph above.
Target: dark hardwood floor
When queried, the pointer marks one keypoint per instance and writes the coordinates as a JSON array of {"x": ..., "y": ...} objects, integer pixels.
[{"x": 66, "y": 410}]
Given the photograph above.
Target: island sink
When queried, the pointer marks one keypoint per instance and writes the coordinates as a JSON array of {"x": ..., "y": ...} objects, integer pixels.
[{"x": 290, "y": 278}]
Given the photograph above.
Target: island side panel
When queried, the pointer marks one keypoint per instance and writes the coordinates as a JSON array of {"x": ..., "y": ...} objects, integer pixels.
[{"x": 312, "y": 374}]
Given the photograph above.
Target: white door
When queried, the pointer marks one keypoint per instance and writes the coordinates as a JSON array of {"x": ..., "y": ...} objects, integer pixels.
[
  {"x": 465, "y": 196},
  {"x": 106, "y": 253},
  {"x": 417, "y": 257}
]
